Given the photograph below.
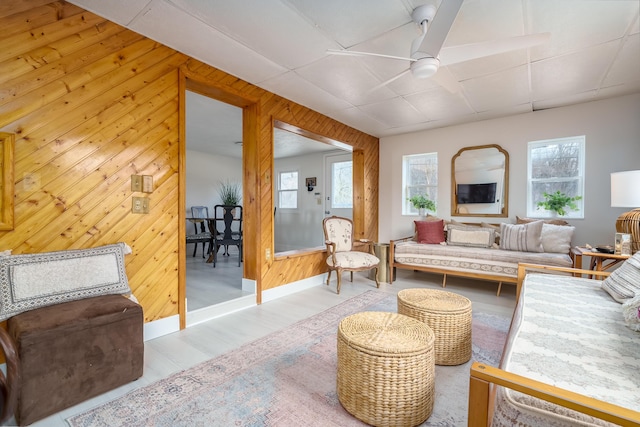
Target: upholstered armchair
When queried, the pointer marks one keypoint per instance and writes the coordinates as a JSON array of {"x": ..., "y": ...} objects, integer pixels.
[{"x": 338, "y": 236}]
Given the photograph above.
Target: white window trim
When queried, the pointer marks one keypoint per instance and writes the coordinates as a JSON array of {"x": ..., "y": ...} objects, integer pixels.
[
  {"x": 407, "y": 208},
  {"x": 296, "y": 190},
  {"x": 532, "y": 210}
]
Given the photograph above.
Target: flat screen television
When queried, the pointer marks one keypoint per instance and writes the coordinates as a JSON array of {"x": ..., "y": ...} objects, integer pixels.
[{"x": 476, "y": 193}]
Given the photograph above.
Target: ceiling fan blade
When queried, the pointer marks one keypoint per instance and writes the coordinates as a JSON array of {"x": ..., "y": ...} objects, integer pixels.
[
  {"x": 439, "y": 27},
  {"x": 386, "y": 82},
  {"x": 356, "y": 53},
  {"x": 445, "y": 78},
  {"x": 467, "y": 52}
]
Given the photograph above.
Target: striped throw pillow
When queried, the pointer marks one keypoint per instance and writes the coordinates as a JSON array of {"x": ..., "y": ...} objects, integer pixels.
[{"x": 624, "y": 283}]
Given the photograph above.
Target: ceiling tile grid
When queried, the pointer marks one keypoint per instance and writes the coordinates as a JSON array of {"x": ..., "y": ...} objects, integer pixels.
[{"x": 593, "y": 52}]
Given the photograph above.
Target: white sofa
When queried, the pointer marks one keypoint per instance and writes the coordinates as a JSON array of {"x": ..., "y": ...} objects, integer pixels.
[
  {"x": 570, "y": 358},
  {"x": 492, "y": 261}
]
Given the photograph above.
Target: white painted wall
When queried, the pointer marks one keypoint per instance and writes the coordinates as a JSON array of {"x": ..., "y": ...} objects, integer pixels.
[
  {"x": 612, "y": 130},
  {"x": 204, "y": 174},
  {"x": 301, "y": 228}
]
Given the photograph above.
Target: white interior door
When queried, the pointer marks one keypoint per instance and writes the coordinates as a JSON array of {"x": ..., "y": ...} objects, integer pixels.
[{"x": 338, "y": 175}]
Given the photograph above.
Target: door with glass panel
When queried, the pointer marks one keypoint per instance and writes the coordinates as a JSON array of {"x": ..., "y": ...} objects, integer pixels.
[{"x": 338, "y": 198}]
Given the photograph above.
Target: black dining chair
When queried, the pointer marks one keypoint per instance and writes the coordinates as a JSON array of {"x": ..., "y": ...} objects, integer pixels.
[
  {"x": 227, "y": 230},
  {"x": 199, "y": 215}
]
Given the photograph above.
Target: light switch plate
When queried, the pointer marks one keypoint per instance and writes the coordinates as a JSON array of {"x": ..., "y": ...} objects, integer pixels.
[
  {"x": 136, "y": 182},
  {"x": 140, "y": 205},
  {"x": 147, "y": 183}
]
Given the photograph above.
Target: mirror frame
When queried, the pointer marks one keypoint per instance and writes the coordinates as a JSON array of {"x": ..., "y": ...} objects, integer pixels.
[{"x": 505, "y": 189}]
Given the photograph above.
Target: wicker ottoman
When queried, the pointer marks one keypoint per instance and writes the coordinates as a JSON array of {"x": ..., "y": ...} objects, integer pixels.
[
  {"x": 448, "y": 315},
  {"x": 386, "y": 368}
]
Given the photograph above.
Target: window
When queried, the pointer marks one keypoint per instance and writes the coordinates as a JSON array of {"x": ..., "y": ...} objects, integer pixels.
[
  {"x": 555, "y": 165},
  {"x": 342, "y": 185},
  {"x": 419, "y": 176},
  {"x": 288, "y": 190}
]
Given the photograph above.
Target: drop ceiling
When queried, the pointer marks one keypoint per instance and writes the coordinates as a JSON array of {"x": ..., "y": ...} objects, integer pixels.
[{"x": 281, "y": 46}]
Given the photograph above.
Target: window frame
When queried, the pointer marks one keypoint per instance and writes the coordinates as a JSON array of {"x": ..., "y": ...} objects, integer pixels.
[
  {"x": 332, "y": 198},
  {"x": 407, "y": 207},
  {"x": 532, "y": 210},
  {"x": 288, "y": 190}
]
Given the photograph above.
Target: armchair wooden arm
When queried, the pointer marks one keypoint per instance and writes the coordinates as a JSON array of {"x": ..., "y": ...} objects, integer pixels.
[{"x": 482, "y": 376}]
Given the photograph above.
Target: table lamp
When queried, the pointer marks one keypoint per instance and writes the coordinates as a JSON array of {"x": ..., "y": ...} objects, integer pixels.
[{"x": 625, "y": 193}]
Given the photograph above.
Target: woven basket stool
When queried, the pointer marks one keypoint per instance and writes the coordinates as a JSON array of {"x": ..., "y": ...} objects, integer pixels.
[
  {"x": 448, "y": 315},
  {"x": 386, "y": 368}
]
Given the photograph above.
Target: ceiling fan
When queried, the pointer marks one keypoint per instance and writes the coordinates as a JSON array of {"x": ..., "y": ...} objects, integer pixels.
[{"x": 427, "y": 53}]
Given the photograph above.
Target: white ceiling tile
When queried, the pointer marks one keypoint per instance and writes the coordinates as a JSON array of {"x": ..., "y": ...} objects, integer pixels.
[
  {"x": 506, "y": 111},
  {"x": 191, "y": 36},
  {"x": 269, "y": 27},
  {"x": 120, "y": 11},
  {"x": 561, "y": 101},
  {"x": 395, "y": 112},
  {"x": 438, "y": 104},
  {"x": 487, "y": 93},
  {"x": 619, "y": 90},
  {"x": 574, "y": 73},
  {"x": 576, "y": 24},
  {"x": 626, "y": 65},
  {"x": 358, "y": 119},
  {"x": 484, "y": 20},
  {"x": 345, "y": 77},
  {"x": 290, "y": 86},
  {"x": 350, "y": 23},
  {"x": 593, "y": 53}
]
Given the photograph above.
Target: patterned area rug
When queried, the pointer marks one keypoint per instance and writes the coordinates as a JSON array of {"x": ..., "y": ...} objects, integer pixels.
[{"x": 287, "y": 378}]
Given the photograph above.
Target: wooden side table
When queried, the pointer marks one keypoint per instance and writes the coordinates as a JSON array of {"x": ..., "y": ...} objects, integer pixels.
[{"x": 600, "y": 261}]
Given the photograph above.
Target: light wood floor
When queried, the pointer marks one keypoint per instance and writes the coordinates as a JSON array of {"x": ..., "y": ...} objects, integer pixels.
[
  {"x": 207, "y": 285},
  {"x": 181, "y": 350}
]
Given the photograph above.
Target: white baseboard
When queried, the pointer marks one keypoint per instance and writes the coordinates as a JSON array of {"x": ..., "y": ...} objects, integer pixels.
[
  {"x": 207, "y": 313},
  {"x": 161, "y": 327},
  {"x": 291, "y": 288}
]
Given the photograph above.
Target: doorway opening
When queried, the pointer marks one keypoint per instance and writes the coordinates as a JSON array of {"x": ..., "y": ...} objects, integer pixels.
[{"x": 213, "y": 159}]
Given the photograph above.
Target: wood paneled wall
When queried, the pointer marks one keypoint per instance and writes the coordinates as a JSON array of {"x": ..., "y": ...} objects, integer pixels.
[{"x": 91, "y": 103}]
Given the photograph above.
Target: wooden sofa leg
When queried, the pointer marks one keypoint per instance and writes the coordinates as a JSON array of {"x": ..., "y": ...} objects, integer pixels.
[
  {"x": 444, "y": 280},
  {"x": 499, "y": 288}
]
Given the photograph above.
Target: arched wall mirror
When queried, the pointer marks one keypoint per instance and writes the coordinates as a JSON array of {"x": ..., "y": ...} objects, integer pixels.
[
  {"x": 302, "y": 162},
  {"x": 480, "y": 182}
]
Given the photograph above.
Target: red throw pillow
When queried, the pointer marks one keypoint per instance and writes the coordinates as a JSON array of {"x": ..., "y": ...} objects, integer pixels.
[{"x": 430, "y": 231}]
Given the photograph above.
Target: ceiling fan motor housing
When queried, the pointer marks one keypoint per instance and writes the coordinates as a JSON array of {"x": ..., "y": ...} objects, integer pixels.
[{"x": 425, "y": 67}]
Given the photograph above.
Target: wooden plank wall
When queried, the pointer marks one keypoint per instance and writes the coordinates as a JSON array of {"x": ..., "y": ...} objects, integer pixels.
[{"x": 90, "y": 104}]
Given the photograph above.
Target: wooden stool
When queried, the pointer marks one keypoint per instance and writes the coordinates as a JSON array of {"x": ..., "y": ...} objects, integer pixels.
[
  {"x": 386, "y": 368},
  {"x": 448, "y": 315}
]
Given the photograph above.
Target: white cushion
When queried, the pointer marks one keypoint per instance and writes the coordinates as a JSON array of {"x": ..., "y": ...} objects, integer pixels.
[
  {"x": 624, "y": 283},
  {"x": 31, "y": 281},
  {"x": 521, "y": 237},
  {"x": 353, "y": 260},
  {"x": 556, "y": 238},
  {"x": 460, "y": 235},
  {"x": 339, "y": 231}
]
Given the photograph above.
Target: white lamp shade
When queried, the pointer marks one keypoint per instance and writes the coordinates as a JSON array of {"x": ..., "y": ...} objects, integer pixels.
[{"x": 625, "y": 189}]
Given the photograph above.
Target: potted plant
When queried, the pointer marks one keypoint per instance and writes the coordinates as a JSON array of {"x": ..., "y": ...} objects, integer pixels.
[
  {"x": 230, "y": 193},
  {"x": 421, "y": 202},
  {"x": 557, "y": 202}
]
